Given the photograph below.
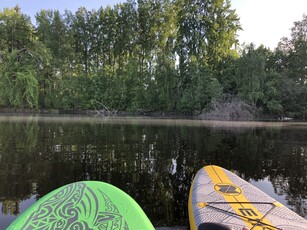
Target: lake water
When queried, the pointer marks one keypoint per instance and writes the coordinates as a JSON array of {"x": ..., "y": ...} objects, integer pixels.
[{"x": 153, "y": 160}]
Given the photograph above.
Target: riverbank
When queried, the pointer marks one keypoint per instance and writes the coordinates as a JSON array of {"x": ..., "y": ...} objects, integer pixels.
[{"x": 212, "y": 115}]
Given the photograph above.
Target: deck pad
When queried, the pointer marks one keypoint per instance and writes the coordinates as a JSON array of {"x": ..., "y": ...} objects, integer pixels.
[
  {"x": 84, "y": 205},
  {"x": 219, "y": 196}
]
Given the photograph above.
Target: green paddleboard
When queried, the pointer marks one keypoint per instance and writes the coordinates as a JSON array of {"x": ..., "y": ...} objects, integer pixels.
[{"x": 84, "y": 205}]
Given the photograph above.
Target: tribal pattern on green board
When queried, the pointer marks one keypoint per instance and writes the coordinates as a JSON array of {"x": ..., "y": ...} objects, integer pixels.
[
  {"x": 84, "y": 205},
  {"x": 67, "y": 209}
]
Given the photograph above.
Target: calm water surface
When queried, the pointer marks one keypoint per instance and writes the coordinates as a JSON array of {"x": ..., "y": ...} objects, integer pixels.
[{"x": 153, "y": 160}]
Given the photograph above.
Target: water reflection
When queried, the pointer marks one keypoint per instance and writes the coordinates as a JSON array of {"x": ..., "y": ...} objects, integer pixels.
[{"x": 152, "y": 160}]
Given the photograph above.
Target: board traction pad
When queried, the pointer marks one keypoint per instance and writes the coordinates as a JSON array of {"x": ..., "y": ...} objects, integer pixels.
[
  {"x": 84, "y": 205},
  {"x": 219, "y": 196}
]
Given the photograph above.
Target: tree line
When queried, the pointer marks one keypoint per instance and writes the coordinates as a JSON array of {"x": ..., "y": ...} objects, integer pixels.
[{"x": 147, "y": 55}]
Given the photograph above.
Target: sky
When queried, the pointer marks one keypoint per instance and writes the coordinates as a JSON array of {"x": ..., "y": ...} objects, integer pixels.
[
  {"x": 263, "y": 21},
  {"x": 267, "y": 21}
]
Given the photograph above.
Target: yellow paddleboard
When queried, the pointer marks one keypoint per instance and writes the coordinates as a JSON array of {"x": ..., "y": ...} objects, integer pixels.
[{"x": 219, "y": 200}]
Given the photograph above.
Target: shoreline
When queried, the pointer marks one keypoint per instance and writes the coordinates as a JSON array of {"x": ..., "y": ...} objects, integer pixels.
[{"x": 137, "y": 114}]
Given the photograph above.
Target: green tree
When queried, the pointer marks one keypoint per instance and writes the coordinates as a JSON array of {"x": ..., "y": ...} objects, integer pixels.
[
  {"x": 23, "y": 61},
  {"x": 16, "y": 30},
  {"x": 207, "y": 30},
  {"x": 107, "y": 21},
  {"x": 290, "y": 62},
  {"x": 18, "y": 83},
  {"x": 53, "y": 32},
  {"x": 251, "y": 74},
  {"x": 298, "y": 53},
  {"x": 202, "y": 88}
]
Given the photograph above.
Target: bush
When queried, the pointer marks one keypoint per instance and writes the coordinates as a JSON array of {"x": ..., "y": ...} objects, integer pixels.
[{"x": 229, "y": 108}]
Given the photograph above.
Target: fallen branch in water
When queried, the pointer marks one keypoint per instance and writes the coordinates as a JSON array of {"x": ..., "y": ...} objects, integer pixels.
[{"x": 101, "y": 112}]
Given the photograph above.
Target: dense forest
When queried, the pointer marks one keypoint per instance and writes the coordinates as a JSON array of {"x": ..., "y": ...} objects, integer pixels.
[{"x": 147, "y": 55}]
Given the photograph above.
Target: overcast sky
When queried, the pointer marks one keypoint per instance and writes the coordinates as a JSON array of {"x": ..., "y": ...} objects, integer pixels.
[
  {"x": 263, "y": 21},
  {"x": 267, "y": 21}
]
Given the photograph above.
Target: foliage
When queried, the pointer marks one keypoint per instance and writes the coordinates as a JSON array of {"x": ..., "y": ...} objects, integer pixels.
[
  {"x": 250, "y": 75},
  {"x": 202, "y": 88},
  {"x": 147, "y": 55}
]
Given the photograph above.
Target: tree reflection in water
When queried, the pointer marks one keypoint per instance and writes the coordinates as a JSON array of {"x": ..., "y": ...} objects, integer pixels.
[{"x": 153, "y": 163}]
